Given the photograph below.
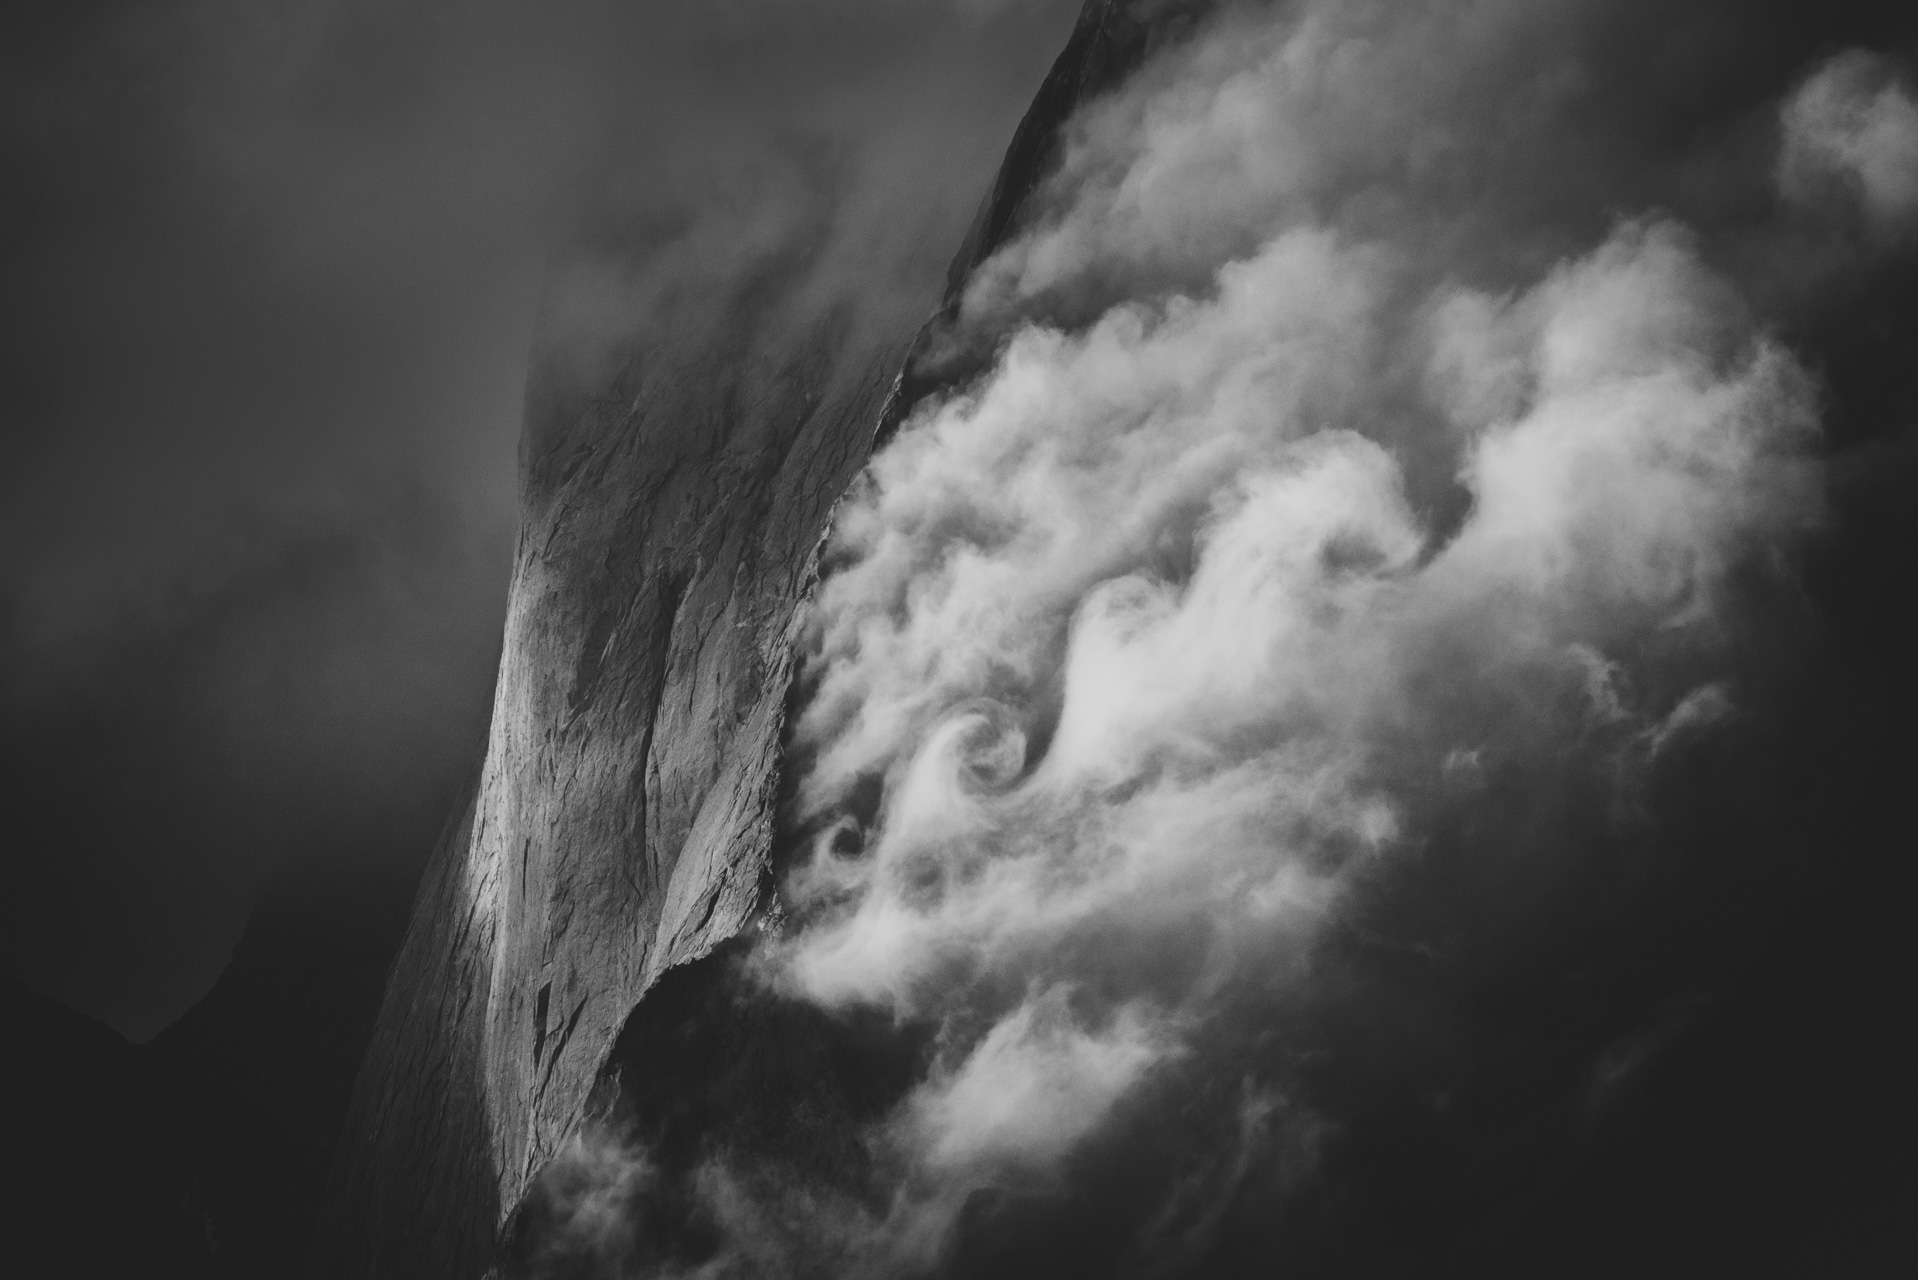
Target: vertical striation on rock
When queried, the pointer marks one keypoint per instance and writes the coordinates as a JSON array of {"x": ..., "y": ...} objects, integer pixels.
[
  {"x": 622, "y": 817},
  {"x": 623, "y": 820}
]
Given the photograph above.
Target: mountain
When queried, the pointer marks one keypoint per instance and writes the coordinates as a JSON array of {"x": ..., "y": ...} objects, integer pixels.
[
  {"x": 203, "y": 1153},
  {"x": 92, "y": 1144},
  {"x": 258, "y": 1073},
  {"x": 624, "y": 821}
]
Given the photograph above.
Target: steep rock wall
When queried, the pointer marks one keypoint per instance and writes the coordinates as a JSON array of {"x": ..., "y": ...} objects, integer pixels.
[{"x": 623, "y": 819}]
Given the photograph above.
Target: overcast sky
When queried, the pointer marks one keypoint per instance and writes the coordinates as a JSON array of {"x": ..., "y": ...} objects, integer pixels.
[{"x": 271, "y": 277}]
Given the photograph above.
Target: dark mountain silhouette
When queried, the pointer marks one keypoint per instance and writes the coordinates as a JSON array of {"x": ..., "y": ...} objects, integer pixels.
[{"x": 93, "y": 1142}]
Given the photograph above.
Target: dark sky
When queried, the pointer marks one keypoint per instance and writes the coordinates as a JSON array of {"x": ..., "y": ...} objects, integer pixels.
[{"x": 271, "y": 275}]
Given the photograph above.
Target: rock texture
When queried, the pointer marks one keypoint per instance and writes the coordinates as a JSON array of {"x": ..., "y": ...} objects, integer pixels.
[
  {"x": 623, "y": 815},
  {"x": 623, "y": 823}
]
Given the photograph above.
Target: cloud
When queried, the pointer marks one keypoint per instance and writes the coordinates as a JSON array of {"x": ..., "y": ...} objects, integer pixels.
[
  {"x": 274, "y": 282},
  {"x": 1292, "y": 503},
  {"x": 1238, "y": 718},
  {"x": 590, "y": 1199},
  {"x": 1851, "y": 135}
]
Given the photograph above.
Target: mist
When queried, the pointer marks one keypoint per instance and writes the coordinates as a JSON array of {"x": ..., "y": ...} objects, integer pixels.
[
  {"x": 274, "y": 285},
  {"x": 1323, "y": 721}
]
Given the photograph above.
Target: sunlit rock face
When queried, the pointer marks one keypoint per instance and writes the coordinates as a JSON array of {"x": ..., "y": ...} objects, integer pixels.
[
  {"x": 621, "y": 820},
  {"x": 672, "y": 508}
]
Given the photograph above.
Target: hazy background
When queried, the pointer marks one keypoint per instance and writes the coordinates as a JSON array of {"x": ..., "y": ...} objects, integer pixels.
[{"x": 271, "y": 277}]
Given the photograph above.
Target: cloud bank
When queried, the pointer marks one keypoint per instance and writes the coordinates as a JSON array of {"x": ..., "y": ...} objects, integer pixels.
[
  {"x": 1275, "y": 740},
  {"x": 1172, "y": 547}
]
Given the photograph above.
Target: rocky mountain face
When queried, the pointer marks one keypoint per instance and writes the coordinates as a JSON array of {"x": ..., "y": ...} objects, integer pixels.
[{"x": 624, "y": 820}]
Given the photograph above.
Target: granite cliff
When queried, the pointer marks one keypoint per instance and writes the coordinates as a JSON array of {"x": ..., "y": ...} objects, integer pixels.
[
  {"x": 1605, "y": 1008},
  {"x": 624, "y": 821}
]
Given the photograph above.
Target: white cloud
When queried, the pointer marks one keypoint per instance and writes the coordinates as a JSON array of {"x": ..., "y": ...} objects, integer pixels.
[
  {"x": 1034, "y": 1085},
  {"x": 1148, "y": 636},
  {"x": 1851, "y": 133},
  {"x": 1176, "y": 530}
]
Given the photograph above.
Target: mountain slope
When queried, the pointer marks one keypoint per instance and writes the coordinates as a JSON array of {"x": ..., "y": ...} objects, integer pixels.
[{"x": 624, "y": 817}]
